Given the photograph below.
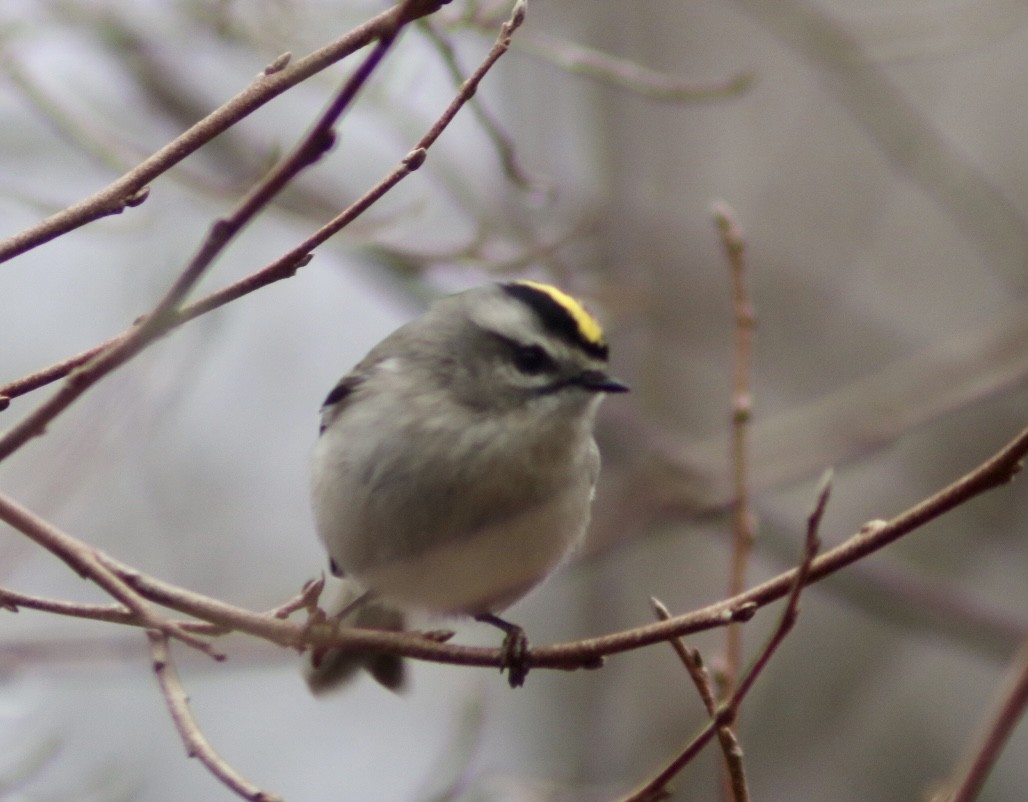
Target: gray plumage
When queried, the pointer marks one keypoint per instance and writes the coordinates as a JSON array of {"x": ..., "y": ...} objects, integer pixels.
[{"x": 456, "y": 463}]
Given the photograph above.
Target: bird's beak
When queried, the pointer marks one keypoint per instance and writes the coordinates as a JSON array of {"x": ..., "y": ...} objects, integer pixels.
[{"x": 599, "y": 382}]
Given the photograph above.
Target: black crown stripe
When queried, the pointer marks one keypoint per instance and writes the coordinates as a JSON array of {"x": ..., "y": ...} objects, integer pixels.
[{"x": 556, "y": 318}]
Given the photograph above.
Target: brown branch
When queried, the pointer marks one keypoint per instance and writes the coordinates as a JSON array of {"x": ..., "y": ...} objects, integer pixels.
[
  {"x": 734, "y": 245},
  {"x": 12, "y": 601},
  {"x": 628, "y": 74},
  {"x": 288, "y": 263},
  {"x": 162, "y": 319},
  {"x": 502, "y": 143},
  {"x": 195, "y": 742},
  {"x": 994, "y": 472},
  {"x": 130, "y": 189},
  {"x": 656, "y": 787},
  {"x": 854, "y": 420},
  {"x": 1010, "y": 705},
  {"x": 730, "y": 747},
  {"x": 84, "y": 560}
]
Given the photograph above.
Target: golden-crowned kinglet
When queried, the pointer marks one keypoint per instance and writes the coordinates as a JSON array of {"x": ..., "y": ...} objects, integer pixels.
[{"x": 456, "y": 463}]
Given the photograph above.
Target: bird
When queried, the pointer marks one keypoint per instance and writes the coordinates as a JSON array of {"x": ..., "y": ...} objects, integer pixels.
[{"x": 456, "y": 466}]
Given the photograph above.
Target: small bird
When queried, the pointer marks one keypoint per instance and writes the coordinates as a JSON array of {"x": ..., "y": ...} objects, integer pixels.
[{"x": 456, "y": 465}]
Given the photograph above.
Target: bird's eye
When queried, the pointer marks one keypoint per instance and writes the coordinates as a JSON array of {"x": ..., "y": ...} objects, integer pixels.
[{"x": 533, "y": 360}]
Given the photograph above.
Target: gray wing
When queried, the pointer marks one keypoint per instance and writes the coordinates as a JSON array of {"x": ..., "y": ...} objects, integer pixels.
[{"x": 335, "y": 401}]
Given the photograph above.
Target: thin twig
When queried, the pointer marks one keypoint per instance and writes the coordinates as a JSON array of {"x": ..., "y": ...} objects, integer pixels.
[
  {"x": 194, "y": 740},
  {"x": 12, "y": 601},
  {"x": 501, "y": 141},
  {"x": 84, "y": 136},
  {"x": 730, "y": 748},
  {"x": 129, "y": 189},
  {"x": 307, "y": 599},
  {"x": 656, "y": 788},
  {"x": 85, "y": 561},
  {"x": 287, "y": 264},
  {"x": 812, "y": 545},
  {"x": 1008, "y": 709},
  {"x": 630, "y": 75},
  {"x": 162, "y": 318},
  {"x": 857, "y": 419},
  {"x": 734, "y": 245},
  {"x": 996, "y": 471}
]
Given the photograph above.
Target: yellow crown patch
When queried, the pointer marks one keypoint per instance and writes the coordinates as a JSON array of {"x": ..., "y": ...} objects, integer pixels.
[{"x": 588, "y": 328}]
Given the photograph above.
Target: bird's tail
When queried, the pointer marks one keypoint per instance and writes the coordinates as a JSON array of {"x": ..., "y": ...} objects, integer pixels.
[{"x": 344, "y": 601}]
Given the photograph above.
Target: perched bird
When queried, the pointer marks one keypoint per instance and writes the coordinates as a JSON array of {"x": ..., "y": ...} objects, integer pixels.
[{"x": 456, "y": 464}]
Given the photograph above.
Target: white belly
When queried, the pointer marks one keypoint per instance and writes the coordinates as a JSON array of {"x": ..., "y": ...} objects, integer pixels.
[{"x": 489, "y": 570}]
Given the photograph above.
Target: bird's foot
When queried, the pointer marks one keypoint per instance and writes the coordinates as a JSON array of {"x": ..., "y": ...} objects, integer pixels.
[{"x": 514, "y": 652}]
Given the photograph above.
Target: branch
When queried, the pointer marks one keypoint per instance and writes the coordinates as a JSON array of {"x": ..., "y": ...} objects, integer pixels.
[
  {"x": 12, "y": 601},
  {"x": 730, "y": 747},
  {"x": 84, "y": 560},
  {"x": 734, "y": 246},
  {"x": 629, "y": 75},
  {"x": 655, "y": 788},
  {"x": 1009, "y": 707},
  {"x": 994, "y": 472},
  {"x": 501, "y": 142},
  {"x": 131, "y": 188},
  {"x": 288, "y": 263},
  {"x": 195, "y": 742},
  {"x": 162, "y": 319}
]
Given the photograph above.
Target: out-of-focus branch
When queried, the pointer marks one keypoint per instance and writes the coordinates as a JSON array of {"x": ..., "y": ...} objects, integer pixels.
[
  {"x": 854, "y": 420},
  {"x": 76, "y": 131},
  {"x": 162, "y": 319},
  {"x": 195, "y": 741},
  {"x": 992, "y": 473},
  {"x": 502, "y": 143},
  {"x": 734, "y": 245},
  {"x": 904, "y": 134},
  {"x": 629, "y": 75},
  {"x": 288, "y": 263},
  {"x": 608, "y": 68},
  {"x": 1009, "y": 707},
  {"x": 655, "y": 788},
  {"x": 84, "y": 560},
  {"x": 698, "y": 673},
  {"x": 131, "y": 188}
]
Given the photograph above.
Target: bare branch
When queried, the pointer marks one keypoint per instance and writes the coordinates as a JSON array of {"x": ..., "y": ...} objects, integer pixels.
[
  {"x": 162, "y": 319},
  {"x": 84, "y": 561},
  {"x": 734, "y": 246},
  {"x": 628, "y": 74},
  {"x": 272, "y": 82},
  {"x": 656, "y": 787},
  {"x": 1010, "y": 705},
  {"x": 195, "y": 742},
  {"x": 287, "y": 264},
  {"x": 12, "y": 601},
  {"x": 730, "y": 747},
  {"x": 994, "y": 472}
]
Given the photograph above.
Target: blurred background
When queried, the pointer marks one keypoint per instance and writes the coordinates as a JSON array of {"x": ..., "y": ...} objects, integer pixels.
[{"x": 874, "y": 154}]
